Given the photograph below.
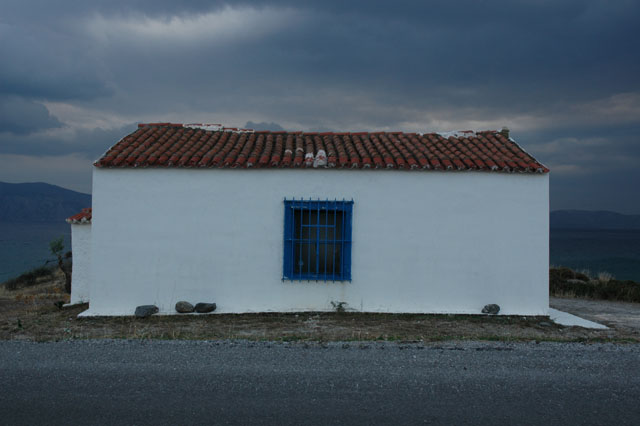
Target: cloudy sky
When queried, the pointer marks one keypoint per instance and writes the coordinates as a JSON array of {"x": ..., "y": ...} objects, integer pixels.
[{"x": 564, "y": 76}]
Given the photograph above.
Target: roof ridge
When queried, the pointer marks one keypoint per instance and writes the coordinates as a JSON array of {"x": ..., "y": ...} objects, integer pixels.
[{"x": 221, "y": 127}]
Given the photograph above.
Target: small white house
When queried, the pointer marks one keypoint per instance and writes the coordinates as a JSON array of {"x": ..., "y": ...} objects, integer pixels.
[
  {"x": 293, "y": 221},
  {"x": 81, "y": 249}
]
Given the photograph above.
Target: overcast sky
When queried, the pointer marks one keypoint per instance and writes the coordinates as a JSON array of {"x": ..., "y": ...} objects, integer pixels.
[{"x": 564, "y": 76}]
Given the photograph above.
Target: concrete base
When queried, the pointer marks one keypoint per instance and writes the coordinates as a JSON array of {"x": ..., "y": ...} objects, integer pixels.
[
  {"x": 73, "y": 305},
  {"x": 569, "y": 320}
]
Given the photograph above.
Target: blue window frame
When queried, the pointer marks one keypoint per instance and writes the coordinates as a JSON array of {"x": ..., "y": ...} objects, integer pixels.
[{"x": 317, "y": 240}]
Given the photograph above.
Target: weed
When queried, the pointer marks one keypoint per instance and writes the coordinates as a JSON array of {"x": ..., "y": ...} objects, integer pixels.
[{"x": 339, "y": 307}]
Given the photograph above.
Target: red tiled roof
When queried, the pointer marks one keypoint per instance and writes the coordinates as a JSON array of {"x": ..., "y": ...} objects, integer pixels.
[
  {"x": 211, "y": 145},
  {"x": 83, "y": 217}
]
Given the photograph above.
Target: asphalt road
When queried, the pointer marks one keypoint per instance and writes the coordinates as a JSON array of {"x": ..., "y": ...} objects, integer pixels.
[{"x": 180, "y": 383}]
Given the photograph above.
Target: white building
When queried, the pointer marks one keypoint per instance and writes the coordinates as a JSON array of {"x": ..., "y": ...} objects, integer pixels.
[
  {"x": 275, "y": 221},
  {"x": 81, "y": 250}
]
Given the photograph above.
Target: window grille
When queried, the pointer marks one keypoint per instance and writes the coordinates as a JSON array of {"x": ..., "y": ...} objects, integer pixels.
[{"x": 317, "y": 240}]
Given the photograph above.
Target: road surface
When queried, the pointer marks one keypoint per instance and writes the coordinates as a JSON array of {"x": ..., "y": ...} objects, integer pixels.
[{"x": 245, "y": 383}]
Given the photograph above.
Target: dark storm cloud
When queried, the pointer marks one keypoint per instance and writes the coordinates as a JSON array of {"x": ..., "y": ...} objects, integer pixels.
[
  {"x": 593, "y": 168},
  {"x": 90, "y": 143},
  {"x": 562, "y": 75},
  {"x": 20, "y": 116},
  {"x": 44, "y": 62},
  {"x": 320, "y": 65},
  {"x": 415, "y": 53}
]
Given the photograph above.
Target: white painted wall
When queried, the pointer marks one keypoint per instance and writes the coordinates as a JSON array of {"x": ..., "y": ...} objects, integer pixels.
[
  {"x": 422, "y": 241},
  {"x": 81, "y": 250}
]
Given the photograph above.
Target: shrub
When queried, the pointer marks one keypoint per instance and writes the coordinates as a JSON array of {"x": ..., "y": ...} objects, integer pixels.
[
  {"x": 611, "y": 289},
  {"x": 28, "y": 278},
  {"x": 564, "y": 273},
  {"x": 583, "y": 275},
  {"x": 57, "y": 248}
]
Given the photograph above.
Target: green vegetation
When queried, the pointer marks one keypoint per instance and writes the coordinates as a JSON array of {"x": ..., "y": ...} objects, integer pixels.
[
  {"x": 566, "y": 282},
  {"x": 339, "y": 307},
  {"x": 57, "y": 248}
]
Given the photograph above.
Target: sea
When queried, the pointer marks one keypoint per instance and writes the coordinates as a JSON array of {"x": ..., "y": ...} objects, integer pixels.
[
  {"x": 616, "y": 252},
  {"x": 24, "y": 246}
]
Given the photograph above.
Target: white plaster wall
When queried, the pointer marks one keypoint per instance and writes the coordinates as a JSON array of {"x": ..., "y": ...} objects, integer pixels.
[
  {"x": 81, "y": 274},
  {"x": 422, "y": 241}
]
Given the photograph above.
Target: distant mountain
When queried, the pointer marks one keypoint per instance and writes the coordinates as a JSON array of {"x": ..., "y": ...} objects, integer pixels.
[
  {"x": 585, "y": 219},
  {"x": 39, "y": 202}
]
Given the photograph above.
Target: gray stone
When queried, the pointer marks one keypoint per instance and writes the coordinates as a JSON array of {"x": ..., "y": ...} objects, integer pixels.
[
  {"x": 491, "y": 309},
  {"x": 204, "y": 308},
  {"x": 544, "y": 324},
  {"x": 576, "y": 281},
  {"x": 184, "y": 307},
  {"x": 146, "y": 311}
]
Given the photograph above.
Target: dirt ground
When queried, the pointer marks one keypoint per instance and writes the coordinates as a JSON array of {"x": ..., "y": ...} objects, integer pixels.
[{"x": 32, "y": 314}]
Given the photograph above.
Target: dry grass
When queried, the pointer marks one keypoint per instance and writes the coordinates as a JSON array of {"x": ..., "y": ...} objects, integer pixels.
[
  {"x": 30, "y": 278},
  {"x": 35, "y": 317},
  {"x": 44, "y": 322},
  {"x": 31, "y": 314},
  {"x": 605, "y": 277}
]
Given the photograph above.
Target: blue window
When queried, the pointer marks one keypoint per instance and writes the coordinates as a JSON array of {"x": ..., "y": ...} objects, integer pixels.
[{"x": 317, "y": 240}]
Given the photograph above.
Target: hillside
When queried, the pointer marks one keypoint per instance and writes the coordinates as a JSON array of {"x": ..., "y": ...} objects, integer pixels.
[
  {"x": 39, "y": 202},
  {"x": 585, "y": 219}
]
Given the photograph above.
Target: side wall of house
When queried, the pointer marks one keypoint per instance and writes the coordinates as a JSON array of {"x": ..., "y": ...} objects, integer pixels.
[
  {"x": 422, "y": 241},
  {"x": 81, "y": 275}
]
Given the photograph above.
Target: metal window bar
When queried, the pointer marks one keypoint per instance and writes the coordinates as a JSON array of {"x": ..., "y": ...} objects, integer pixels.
[
  {"x": 326, "y": 243},
  {"x": 335, "y": 233},
  {"x": 342, "y": 246},
  {"x": 309, "y": 237}
]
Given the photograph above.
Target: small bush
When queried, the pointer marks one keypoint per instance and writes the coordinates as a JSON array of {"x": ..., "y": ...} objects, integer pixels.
[
  {"x": 28, "y": 278},
  {"x": 339, "y": 307},
  {"x": 564, "y": 273},
  {"x": 583, "y": 275}
]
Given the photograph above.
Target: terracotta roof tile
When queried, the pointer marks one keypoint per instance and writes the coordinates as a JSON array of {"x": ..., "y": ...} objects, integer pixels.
[
  {"x": 83, "y": 217},
  {"x": 211, "y": 146}
]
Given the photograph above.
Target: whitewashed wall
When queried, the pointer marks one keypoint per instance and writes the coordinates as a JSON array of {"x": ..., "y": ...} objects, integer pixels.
[
  {"x": 422, "y": 241},
  {"x": 81, "y": 275}
]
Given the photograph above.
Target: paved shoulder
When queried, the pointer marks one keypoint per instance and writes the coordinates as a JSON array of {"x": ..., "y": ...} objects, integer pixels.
[{"x": 620, "y": 315}]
